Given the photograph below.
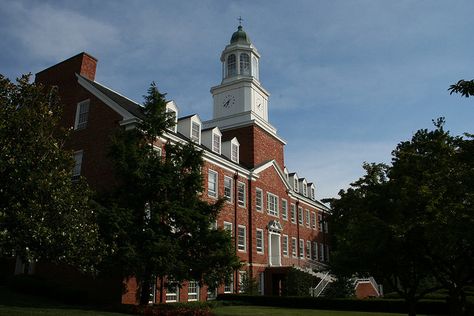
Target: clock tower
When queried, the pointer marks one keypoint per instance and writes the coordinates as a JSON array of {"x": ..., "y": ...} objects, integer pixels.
[{"x": 240, "y": 101}]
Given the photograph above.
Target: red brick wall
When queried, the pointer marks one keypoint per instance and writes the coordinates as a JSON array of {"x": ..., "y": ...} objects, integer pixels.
[{"x": 256, "y": 146}]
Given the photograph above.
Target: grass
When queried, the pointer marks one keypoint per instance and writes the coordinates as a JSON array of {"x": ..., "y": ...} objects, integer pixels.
[
  {"x": 17, "y": 304},
  {"x": 274, "y": 311}
]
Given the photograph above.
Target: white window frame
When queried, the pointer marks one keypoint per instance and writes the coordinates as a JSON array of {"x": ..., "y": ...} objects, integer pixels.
[
  {"x": 259, "y": 240},
  {"x": 212, "y": 192},
  {"x": 228, "y": 180},
  {"x": 301, "y": 248},
  {"x": 195, "y": 132},
  {"x": 195, "y": 294},
  {"x": 259, "y": 200},
  {"x": 305, "y": 189},
  {"x": 76, "y": 171},
  {"x": 241, "y": 195},
  {"x": 293, "y": 213},
  {"x": 285, "y": 245},
  {"x": 300, "y": 215},
  {"x": 320, "y": 223},
  {"x": 313, "y": 220},
  {"x": 272, "y": 204},
  {"x": 227, "y": 226},
  {"x": 313, "y": 195},
  {"x": 321, "y": 252},
  {"x": 242, "y": 275},
  {"x": 172, "y": 297},
  {"x": 315, "y": 250},
  {"x": 234, "y": 152},
  {"x": 216, "y": 143},
  {"x": 82, "y": 115},
  {"x": 294, "y": 244},
  {"x": 229, "y": 287},
  {"x": 284, "y": 209},
  {"x": 308, "y": 249},
  {"x": 308, "y": 218},
  {"x": 295, "y": 183},
  {"x": 241, "y": 239}
]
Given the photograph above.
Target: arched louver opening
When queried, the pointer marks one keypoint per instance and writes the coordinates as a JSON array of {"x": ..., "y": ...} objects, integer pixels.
[
  {"x": 231, "y": 65},
  {"x": 244, "y": 64}
]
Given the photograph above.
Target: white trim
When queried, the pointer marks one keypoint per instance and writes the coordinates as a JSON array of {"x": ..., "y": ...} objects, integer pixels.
[
  {"x": 262, "y": 250},
  {"x": 216, "y": 183},
  {"x": 244, "y": 239},
  {"x": 259, "y": 208}
]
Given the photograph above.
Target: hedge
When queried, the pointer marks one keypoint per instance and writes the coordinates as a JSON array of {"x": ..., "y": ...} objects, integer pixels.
[{"x": 369, "y": 305}]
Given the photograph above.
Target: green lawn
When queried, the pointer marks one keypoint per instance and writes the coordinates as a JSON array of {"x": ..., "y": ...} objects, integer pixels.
[{"x": 273, "y": 311}]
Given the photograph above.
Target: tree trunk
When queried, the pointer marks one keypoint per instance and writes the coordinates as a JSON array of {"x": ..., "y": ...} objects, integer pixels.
[{"x": 145, "y": 287}]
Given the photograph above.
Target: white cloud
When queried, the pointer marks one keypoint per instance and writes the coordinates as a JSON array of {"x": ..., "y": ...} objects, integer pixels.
[{"x": 48, "y": 32}]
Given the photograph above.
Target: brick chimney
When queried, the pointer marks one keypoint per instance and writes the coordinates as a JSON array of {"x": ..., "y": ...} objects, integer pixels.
[{"x": 65, "y": 71}]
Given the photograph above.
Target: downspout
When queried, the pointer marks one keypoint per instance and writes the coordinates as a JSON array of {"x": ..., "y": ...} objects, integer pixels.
[
  {"x": 298, "y": 230},
  {"x": 250, "y": 200},
  {"x": 236, "y": 177}
]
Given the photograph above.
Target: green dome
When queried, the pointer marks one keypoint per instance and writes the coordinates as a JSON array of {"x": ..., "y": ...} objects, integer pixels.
[{"x": 240, "y": 36}]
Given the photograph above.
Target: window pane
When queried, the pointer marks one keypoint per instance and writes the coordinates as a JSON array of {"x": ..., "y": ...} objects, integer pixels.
[
  {"x": 259, "y": 199},
  {"x": 231, "y": 65},
  {"x": 228, "y": 188},
  {"x": 241, "y": 194},
  {"x": 212, "y": 183},
  {"x": 244, "y": 64}
]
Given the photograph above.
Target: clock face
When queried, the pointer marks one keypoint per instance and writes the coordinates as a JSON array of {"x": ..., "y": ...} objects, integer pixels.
[
  {"x": 259, "y": 103},
  {"x": 229, "y": 101}
]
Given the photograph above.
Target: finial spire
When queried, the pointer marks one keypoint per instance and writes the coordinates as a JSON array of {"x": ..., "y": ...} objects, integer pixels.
[{"x": 240, "y": 20}]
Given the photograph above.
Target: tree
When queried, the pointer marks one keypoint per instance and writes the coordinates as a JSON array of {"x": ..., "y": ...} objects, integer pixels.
[
  {"x": 419, "y": 212},
  {"x": 43, "y": 214},
  {"x": 156, "y": 221},
  {"x": 464, "y": 87}
]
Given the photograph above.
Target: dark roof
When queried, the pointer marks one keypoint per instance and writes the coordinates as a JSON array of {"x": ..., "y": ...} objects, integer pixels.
[
  {"x": 240, "y": 36},
  {"x": 208, "y": 129},
  {"x": 185, "y": 117},
  {"x": 129, "y": 105}
]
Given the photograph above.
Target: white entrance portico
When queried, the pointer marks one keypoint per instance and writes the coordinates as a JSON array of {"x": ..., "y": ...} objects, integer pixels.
[{"x": 274, "y": 243}]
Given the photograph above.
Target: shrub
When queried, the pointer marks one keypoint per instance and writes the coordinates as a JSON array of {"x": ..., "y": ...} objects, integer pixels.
[{"x": 170, "y": 309}]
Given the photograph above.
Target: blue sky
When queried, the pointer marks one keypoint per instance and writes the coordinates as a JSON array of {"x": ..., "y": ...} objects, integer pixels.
[{"x": 348, "y": 79}]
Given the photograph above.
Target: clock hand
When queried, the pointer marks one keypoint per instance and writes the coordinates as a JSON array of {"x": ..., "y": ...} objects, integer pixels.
[{"x": 226, "y": 104}]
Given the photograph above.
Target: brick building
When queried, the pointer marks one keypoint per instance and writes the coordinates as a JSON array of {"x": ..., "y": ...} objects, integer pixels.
[{"x": 272, "y": 213}]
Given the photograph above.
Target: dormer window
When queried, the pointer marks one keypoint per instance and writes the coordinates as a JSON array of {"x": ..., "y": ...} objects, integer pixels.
[
  {"x": 305, "y": 190},
  {"x": 244, "y": 64},
  {"x": 231, "y": 65},
  {"x": 234, "y": 155},
  {"x": 172, "y": 111},
  {"x": 216, "y": 143},
  {"x": 195, "y": 132},
  {"x": 296, "y": 184},
  {"x": 312, "y": 194}
]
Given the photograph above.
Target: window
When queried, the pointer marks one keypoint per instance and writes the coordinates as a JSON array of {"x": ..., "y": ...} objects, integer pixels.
[
  {"x": 172, "y": 292},
  {"x": 326, "y": 230},
  {"x": 259, "y": 237},
  {"x": 216, "y": 144},
  {"x": 255, "y": 67},
  {"x": 228, "y": 183},
  {"x": 82, "y": 115},
  {"x": 320, "y": 222},
  {"x": 284, "y": 209},
  {"x": 261, "y": 282},
  {"x": 76, "y": 171},
  {"x": 272, "y": 204},
  {"x": 212, "y": 183},
  {"x": 244, "y": 64},
  {"x": 241, "y": 238},
  {"x": 293, "y": 213},
  {"x": 313, "y": 220},
  {"x": 285, "y": 245},
  {"x": 308, "y": 249},
  {"x": 229, "y": 285},
  {"x": 307, "y": 219},
  {"x": 241, "y": 194},
  {"x": 211, "y": 294},
  {"x": 259, "y": 200},
  {"x": 312, "y": 194},
  {"x": 231, "y": 65},
  {"x": 321, "y": 252},
  {"x": 242, "y": 281},
  {"x": 195, "y": 132},
  {"x": 305, "y": 189},
  {"x": 234, "y": 154},
  {"x": 302, "y": 248},
  {"x": 293, "y": 247},
  {"x": 228, "y": 227},
  {"x": 315, "y": 250},
  {"x": 300, "y": 215},
  {"x": 296, "y": 185},
  {"x": 193, "y": 291}
]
